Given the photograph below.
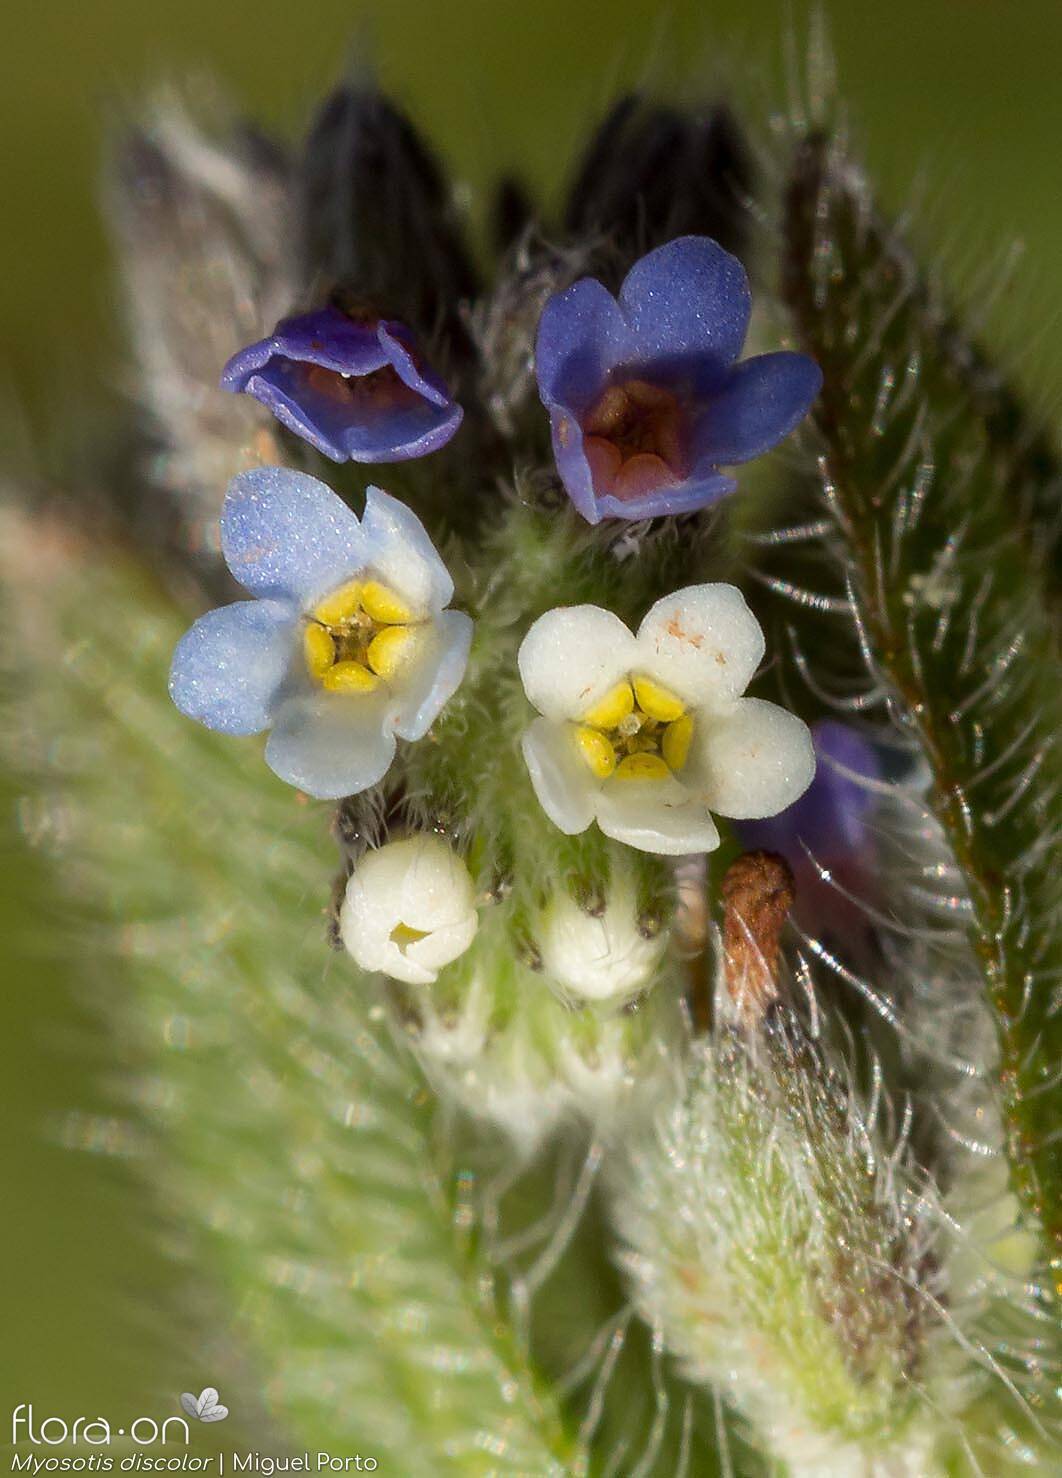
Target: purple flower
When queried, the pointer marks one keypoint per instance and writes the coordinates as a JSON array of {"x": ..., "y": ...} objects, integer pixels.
[
  {"x": 833, "y": 822},
  {"x": 355, "y": 388},
  {"x": 645, "y": 399}
]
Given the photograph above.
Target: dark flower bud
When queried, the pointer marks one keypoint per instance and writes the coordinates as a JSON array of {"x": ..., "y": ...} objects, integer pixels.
[
  {"x": 379, "y": 217},
  {"x": 652, "y": 173}
]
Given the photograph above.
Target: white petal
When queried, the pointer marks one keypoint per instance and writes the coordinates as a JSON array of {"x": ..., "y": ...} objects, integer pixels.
[
  {"x": 418, "y": 882},
  {"x": 571, "y": 657},
  {"x": 399, "y": 550},
  {"x": 598, "y": 957},
  {"x": 755, "y": 760},
  {"x": 332, "y": 744},
  {"x": 703, "y": 642},
  {"x": 434, "y": 673},
  {"x": 658, "y": 816},
  {"x": 565, "y": 788},
  {"x": 442, "y": 945},
  {"x": 436, "y": 889}
]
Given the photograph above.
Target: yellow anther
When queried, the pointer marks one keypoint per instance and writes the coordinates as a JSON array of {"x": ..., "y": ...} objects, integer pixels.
[
  {"x": 608, "y": 711},
  {"x": 675, "y": 745},
  {"x": 596, "y": 751},
  {"x": 350, "y": 677},
  {"x": 656, "y": 701},
  {"x": 389, "y": 649},
  {"x": 384, "y": 605},
  {"x": 318, "y": 648},
  {"x": 404, "y": 935},
  {"x": 642, "y": 767},
  {"x": 340, "y": 605}
]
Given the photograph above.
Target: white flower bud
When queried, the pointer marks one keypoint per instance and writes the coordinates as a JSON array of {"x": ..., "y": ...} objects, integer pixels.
[
  {"x": 598, "y": 957},
  {"x": 409, "y": 909}
]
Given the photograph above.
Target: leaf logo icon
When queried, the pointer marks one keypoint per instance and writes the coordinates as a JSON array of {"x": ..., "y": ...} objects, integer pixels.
[{"x": 205, "y": 1407}]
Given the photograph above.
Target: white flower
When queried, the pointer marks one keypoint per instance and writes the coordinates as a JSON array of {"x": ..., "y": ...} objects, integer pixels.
[
  {"x": 347, "y": 645},
  {"x": 648, "y": 734},
  {"x": 598, "y": 956},
  {"x": 409, "y": 909}
]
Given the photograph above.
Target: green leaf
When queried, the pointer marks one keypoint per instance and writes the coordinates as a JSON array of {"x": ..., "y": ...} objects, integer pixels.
[
  {"x": 950, "y": 604},
  {"x": 293, "y": 1141}
]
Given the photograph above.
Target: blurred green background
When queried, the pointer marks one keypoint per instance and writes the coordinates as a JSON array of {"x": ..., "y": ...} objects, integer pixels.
[{"x": 958, "y": 109}]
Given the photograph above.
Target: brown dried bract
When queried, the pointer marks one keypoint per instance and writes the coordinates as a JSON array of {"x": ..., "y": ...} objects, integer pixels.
[{"x": 758, "y": 892}]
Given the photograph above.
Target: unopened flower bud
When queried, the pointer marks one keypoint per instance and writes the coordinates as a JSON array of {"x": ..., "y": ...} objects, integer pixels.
[
  {"x": 601, "y": 954},
  {"x": 409, "y": 909}
]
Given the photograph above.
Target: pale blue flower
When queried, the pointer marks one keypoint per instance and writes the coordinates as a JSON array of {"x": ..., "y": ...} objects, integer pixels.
[{"x": 347, "y": 643}]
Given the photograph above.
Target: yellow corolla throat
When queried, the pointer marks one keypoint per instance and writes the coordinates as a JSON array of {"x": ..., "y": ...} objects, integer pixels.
[
  {"x": 359, "y": 636},
  {"x": 639, "y": 730}
]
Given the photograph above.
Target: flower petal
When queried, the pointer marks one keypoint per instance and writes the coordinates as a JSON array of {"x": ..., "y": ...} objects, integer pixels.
[
  {"x": 703, "y": 641},
  {"x": 398, "y": 548},
  {"x": 760, "y": 402},
  {"x": 331, "y": 744},
  {"x": 755, "y": 760},
  {"x": 396, "y": 342},
  {"x": 658, "y": 816},
  {"x": 436, "y": 888},
  {"x": 570, "y": 658},
  {"x": 396, "y": 435},
  {"x": 570, "y": 456},
  {"x": 582, "y": 335},
  {"x": 696, "y": 492},
  {"x": 287, "y": 536},
  {"x": 687, "y": 299},
  {"x": 326, "y": 337},
  {"x": 831, "y": 818},
  {"x": 565, "y": 788},
  {"x": 434, "y": 676},
  {"x": 229, "y": 666},
  {"x": 443, "y": 944}
]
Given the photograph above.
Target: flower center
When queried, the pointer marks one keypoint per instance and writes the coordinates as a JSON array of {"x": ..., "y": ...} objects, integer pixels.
[
  {"x": 358, "y": 636},
  {"x": 382, "y": 390},
  {"x": 403, "y": 935},
  {"x": 639, "y": 730},
  {"x": 635, "y": 439}
]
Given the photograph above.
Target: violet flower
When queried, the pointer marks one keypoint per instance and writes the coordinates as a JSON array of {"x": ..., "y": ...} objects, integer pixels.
[
  {"x": 355, "y": 388},
  {"x": 645, "y": 399}
]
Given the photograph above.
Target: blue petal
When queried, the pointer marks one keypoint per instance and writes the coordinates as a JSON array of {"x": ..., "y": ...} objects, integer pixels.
[
  {"x": 228, "y": 668},
  {"x": 287, "y": 536},
  {"x": 332, "y": 744},
  {"x": 759, "y": 403},
  {"x": 325, "y": 337},
  {"x": 571, "y": 462},
  {"x": 697, "y": 491},
  {"x": 399, "y": 549},
  {"x": 582, "y": 336},
  {"x": 281, "y": 387},
  {"x": 688, "y": 299},
  {"x": 397, "y": 435}
]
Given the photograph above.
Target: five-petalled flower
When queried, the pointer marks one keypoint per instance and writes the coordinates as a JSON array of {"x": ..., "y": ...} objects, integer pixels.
[
  {"x": 346, "y": 644},
  {"x": 409, "y": 909},
  {"x": 648, "y": 734},
  {"x": 355, "y": 388},
  {"x": 645, "y": 399}
]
